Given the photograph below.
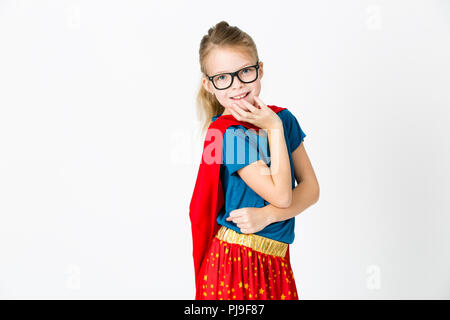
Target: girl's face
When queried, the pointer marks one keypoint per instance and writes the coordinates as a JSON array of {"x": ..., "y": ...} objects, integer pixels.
[{"x": 225, "y": 60}]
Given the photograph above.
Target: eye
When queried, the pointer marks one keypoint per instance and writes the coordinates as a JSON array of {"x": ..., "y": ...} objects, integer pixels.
[{"x": 221, "y": 77}]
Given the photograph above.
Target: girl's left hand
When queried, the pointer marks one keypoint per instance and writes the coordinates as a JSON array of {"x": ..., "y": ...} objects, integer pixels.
[{"x": 250, "y": 220}]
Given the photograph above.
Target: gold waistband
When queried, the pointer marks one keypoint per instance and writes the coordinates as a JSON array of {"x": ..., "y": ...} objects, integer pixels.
[{"x": 256, "y": 242}]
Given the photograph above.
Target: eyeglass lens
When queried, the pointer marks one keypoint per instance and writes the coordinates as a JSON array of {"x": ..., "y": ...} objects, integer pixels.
[{"x": 245, "y": 75}]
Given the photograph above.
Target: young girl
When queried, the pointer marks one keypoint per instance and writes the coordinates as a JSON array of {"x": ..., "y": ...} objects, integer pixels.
[{"x": 243, "y": 205}]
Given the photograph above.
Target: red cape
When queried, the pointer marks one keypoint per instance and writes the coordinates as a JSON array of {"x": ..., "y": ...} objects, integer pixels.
[{"x": 208, "y": 198}]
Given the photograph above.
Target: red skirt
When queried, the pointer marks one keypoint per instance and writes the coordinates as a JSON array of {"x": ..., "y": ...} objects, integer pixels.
[{"x": 246, "y": 267}]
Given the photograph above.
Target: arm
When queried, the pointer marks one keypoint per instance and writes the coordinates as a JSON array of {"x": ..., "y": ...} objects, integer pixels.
[
  {"x": 274, "y": 187},
  {"x": 305, "y": 194}
]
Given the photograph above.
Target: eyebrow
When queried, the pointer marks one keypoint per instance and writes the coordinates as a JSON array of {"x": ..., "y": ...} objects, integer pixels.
[{"x": 245, "y": 65}]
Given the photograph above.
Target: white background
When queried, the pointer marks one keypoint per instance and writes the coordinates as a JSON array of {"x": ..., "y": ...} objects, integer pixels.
[{"x": 100, "y": 143}]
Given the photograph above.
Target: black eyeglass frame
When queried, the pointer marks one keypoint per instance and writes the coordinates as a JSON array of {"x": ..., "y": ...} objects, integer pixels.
[{"x": 233, "y": 74}]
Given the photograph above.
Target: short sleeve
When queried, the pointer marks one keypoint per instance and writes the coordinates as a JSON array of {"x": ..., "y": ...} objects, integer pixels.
[
  {"x": 295, "y": 132},
  {"x": 241, "y": 148}
]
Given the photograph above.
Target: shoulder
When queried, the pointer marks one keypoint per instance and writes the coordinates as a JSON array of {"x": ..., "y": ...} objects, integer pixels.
[
  {"x": 288, "y": 118},
  {"x": 286, "y": 115}
]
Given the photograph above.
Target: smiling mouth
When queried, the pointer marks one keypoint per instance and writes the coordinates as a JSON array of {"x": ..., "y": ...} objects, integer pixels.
[{"x": 242, "y": 97}]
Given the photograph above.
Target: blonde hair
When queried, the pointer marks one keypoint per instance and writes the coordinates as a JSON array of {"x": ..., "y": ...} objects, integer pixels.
[{"x": 222, "y": 35}]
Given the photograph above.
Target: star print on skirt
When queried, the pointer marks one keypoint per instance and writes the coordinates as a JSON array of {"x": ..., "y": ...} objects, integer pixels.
[{"x": 235, "y": 271}]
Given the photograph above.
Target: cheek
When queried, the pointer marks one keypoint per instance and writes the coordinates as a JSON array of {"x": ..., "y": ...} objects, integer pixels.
[
  {"x": 256, "y": 87},
  {"x": 223, "y": 99}
]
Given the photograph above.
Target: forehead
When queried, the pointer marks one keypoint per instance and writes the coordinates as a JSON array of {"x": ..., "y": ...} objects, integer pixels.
[{"x": 227, "y": 60}]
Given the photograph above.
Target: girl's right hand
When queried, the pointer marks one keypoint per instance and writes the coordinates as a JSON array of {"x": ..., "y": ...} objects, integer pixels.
[{"x": 261, "y": 116}]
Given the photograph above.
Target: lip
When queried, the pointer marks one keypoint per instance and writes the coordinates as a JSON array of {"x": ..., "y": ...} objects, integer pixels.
[{"x": 247, "y": 93}]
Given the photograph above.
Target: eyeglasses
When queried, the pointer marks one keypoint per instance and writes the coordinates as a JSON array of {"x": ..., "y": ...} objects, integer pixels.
[{"x": 223, "y": 81}]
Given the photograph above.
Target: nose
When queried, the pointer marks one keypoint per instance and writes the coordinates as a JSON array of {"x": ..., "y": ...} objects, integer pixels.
[{"x": 236, "y": 82}]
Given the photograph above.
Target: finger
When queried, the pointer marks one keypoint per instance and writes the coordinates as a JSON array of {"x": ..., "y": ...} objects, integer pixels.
[
  {"x": 231, "y": 219},
  {"x": 242, "y": 225},
  {"x": 235, "y": 214},
  {"x": 239, "y": 219},
  {"x": 260, "y": 102},
  {"x": 236, "y": 115},
  {"x": 250, "y": 107},
  {"x": 239, "y": 105},
  {"x": 240, "y": 111}
]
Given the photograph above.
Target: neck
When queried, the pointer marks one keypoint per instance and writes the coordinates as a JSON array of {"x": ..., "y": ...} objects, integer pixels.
[{"x": 225, "y": 113}]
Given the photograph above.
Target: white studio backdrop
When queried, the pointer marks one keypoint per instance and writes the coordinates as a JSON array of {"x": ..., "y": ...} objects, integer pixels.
[{"x": 100, "y": 144}]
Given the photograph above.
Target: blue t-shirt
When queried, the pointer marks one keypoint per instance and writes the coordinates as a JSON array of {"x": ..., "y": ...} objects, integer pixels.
[{"x": 248, "y": 148}]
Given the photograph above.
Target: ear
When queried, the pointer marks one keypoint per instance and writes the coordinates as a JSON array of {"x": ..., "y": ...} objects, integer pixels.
[
  {"x": 207, "y": 85},
  {"x": 260, "y": 70}
]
